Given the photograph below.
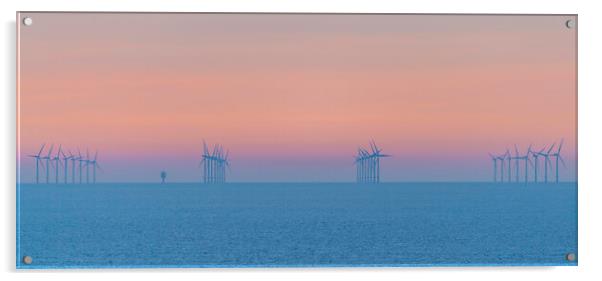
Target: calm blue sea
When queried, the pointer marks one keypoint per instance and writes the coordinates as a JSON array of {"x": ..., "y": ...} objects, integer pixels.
[{"x": 253, "y": 224}]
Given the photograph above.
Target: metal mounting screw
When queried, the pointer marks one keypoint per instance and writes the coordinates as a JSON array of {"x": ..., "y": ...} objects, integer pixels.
[
  {"x": 571, "y": 257},
  {"x": 570, "y": 23},
  {"x": 27, "y": 260},
  {"x": 27, "y": 21}
]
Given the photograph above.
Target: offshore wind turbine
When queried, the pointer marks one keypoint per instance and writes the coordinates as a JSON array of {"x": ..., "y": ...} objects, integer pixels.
[
  {"x": 509, "y": 165},
  {"x": 214, "y": 164},
  {"x": 558, "y": 157},
  {"x": 516, "y": 166},
  {"x": 202, "y": 162},
  {"x": 501, "y": 158},
  {"x": 527, "y": 162},
  {"x": 365, "y": 165},
  {"x": 66, "y": 164},
  {"x": 536, "y": 161},
  {"x": 87, "y": 166},
  {"x": 377, "y": 155},
  {"x": 222, "y": 162},
  {"x": 73, "y": 159},
  {"x": 95, "y": 165},
  {"x": 38, "y": 162},
  {"x": 546, "y": 160},
  {"x": 56, "y": 160},
  {"x": 81, "y": 160},
  {"x": 225, "y": 163},
  {"x": 361, "y": 161},
  {"x": 218, "y": 163},
  {"x": 47, "y": 158}
]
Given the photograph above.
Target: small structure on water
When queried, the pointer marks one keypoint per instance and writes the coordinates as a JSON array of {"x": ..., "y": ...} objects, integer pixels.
[{"x": 163, "y": 176}]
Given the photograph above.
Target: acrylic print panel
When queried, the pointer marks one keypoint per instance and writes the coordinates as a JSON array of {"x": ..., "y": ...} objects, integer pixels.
[{"x": 286, "y": 140}]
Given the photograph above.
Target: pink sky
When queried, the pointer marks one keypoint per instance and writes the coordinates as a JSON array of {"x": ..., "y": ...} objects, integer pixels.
[{"x": 293, "y": 96}]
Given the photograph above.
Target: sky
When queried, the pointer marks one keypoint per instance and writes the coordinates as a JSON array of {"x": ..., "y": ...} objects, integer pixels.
[{"x": 292, "y": 96}]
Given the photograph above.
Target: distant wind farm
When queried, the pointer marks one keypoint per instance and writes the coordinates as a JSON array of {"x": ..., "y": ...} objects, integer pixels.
[
  {"x": 368, "y": 164},
  {"x": 214, "y": 164},
  {"x": 68, "y": 168},
  {"x": 531, "y": 159},
  {"x": 59, "y": 163}
]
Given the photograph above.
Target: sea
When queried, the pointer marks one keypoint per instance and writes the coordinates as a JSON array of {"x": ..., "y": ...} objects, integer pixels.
[{"x": 295, "y": 224}]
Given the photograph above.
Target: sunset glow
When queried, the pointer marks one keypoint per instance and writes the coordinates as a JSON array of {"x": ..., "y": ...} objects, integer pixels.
[{"x": 293, "y": 96}]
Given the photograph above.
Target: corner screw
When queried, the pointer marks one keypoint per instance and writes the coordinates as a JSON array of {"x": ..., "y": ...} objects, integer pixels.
[
  {"x": 571, "y": 257},
  {"x": 27, "y": 260},
  {"x": 27, "y": 21},
  {"x": 570, "y": 23}
]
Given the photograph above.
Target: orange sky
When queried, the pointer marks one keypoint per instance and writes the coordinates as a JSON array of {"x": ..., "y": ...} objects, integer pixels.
[{"x": 291, "y": 90}]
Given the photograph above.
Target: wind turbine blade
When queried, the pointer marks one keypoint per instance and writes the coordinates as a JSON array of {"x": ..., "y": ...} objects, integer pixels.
[
  {"x": 95, "y": 155},
  {"x": 560, "y": 146},
  {"x": 41, "y": 149},
  {"x": 561, "y": 160},
  {"x": 87, "y": 154},
  {"x": 544, "y": 148},
  {"x": 205, "y": 149},
  {"x": 373, "y": 147},
  {"x": 530, "y": 162},
  {"x": 515, "y": 150},
  {"x": 50, "y": 151},
  {"x": 551, "y": 147},
  {"x": 59, "y": 152}
]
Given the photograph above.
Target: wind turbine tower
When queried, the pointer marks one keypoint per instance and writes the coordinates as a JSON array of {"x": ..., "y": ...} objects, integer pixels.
[
  {"x": 501, "y": 158},
  {"x": 81, "y": 160},
  {"x": 47, "y": 158},
  {"x": 57, "y": 159},
  {"x": 557, "y": 157},
  {"x": 546, "y": 157},
  {"x": 66, "y": 164},
  {"x": 38, "y": 162},
  {"x": 95, "y": 165},
  {"x": 509, "y": 165}
]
